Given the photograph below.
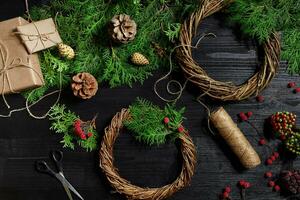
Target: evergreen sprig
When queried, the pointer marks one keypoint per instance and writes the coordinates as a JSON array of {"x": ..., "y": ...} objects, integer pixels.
[
  {"x": 147, "y": 122},
  {"x": 62, "y": 123},
  {"x": 259, "y": 18},
  {"x": 83, "y": 26}
]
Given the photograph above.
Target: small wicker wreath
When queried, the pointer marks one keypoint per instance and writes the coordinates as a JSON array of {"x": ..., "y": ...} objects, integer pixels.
[
  {"x": 131, "y": 191},
  {"x": 224, "y": 91}
]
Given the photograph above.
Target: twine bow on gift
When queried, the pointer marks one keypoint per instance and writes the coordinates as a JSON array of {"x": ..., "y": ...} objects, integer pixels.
[
  {"x": 42, "y": 37},
  {"x": 9, "y": 65}
]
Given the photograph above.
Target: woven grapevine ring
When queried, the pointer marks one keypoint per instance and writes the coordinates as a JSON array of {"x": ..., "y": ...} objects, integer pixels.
[
  {"x": 219, "y": 90},
  {"x": 131, "y": 191}
]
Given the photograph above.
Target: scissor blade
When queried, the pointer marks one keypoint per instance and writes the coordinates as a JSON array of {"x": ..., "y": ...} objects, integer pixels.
[
  {"x": 62, "y": 180},
  {"x": 66, "y": 183}
]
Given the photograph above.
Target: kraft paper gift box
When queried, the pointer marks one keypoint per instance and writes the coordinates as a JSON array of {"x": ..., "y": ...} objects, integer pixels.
[
  {"x": 18, "y": 70},
  {"x": 39, "y": 35}
]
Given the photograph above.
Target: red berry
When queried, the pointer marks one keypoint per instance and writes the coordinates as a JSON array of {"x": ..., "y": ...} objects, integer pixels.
[
  {"x": 282, "y": 137},
  {"x": 297, "y": 90},
  {"x": 225, "y": 195},
  {"x": 247, "y": 185},
  {"x": 166, "y": 120},
  {"x": 243, "y": 117},
  {"x": 277, "y": 188},
  {"x": 260, "y": 99},
  {"x": 90, "y": 134},
  {"x": 227, "y": 189},
  {"x": 83, "y": 137},
  {"x": 262, "y": 141},
  {"x": 273, "y": 158},
  {"x": 276, "y": 154},
  {"x": 249, "y": 114},
  {"x": 180, "y": 129},
  {"x": 268, "y": 174},
  {"x": 291, "y": 84},
  {"x": 271, "y": 183},
  {"x": 269, "y": 161},
  {"x": 242, "y": 183}
]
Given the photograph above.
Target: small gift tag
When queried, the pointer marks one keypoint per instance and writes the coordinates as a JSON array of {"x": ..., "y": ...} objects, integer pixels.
[{"x": 39, "y": 35}]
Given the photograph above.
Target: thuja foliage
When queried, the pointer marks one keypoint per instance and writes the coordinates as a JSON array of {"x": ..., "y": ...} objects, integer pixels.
[
  {"x": 63, "y": 123},
  {"x": 259, "y": 18},
  {"x": 147, "y": 122},
  {"x": 82, "y": 24}
]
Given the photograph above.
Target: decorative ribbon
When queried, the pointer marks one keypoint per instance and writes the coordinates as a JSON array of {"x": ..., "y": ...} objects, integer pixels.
[
  {"x": 43, "y": 37},
  {"x": 10, "y": 65}
]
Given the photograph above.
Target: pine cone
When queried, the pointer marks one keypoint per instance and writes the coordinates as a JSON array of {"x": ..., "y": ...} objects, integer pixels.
[
  {"x": 122, "y": 28},
  {"x": 84, "y": 85},
  {"x": 66, "y": 51},
  {"x": 139, "y": 59},
  {"x": 290, "y": 181}
]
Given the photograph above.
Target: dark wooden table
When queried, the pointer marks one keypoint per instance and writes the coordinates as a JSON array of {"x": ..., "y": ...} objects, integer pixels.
[{"x": 227, "y": 57}]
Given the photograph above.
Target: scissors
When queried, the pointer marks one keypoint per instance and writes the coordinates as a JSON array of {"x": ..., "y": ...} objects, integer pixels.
[{"x": 43, "y": 167}]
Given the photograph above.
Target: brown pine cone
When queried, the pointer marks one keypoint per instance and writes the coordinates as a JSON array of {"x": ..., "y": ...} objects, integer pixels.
[
  {"x": 84, "y": 85},
  {"x": 122, "y": 28},
  {"x": 290, "y": 181}
]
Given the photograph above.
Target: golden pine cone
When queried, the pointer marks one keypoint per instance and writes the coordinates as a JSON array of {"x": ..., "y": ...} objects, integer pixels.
[
  {"x": 84, "y": 85},
  {"x": 122, "y": 28},
  {"x": 139, "y": 59},
  {"x": 66, "y": 51}
]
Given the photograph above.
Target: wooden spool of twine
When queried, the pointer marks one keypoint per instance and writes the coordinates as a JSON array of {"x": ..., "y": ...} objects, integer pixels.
[
  {"x": 131, "y": 191},
  {"x": 234, "y": 137},
  {"x": 225, "y": 91}
]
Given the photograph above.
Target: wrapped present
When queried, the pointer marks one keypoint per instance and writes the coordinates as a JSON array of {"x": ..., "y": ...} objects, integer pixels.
[
  {"x": 39, "y": 35},
  {"x": 18, "y": 69}
]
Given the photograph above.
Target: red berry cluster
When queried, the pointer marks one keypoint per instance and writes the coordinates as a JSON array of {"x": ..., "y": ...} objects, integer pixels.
[
  {"x": 79, "y": 127},
  {"x": 271, "y": 182},
  {"x": 283, "y": 123},
  {"x": 180, "y": 129},
  {"x": 244, "y": 184},
  {"x": 293, "y": 85},
  {"x": 226, "y": 193},
  {"x": 245, "y": 116},
  {"x": 272, "y": 158}
]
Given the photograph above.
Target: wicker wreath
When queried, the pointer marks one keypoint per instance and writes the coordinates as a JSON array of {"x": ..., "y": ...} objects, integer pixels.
[
  {"x": 219, "y": 90},
  {"x": 131, "y": 191}
]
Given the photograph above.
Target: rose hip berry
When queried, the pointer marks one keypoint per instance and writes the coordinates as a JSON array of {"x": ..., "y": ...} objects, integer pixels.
[
  {"x": 227, "y": 189},
  {"x": 269, "y": 161},
  {"x": 166, "y": 120},
  {"x": 262, "y": 141},
  {"x": 291, "y": 84},
  {"x": 277, "y": 188},
  {"x": 260, "y": 99},
  {"x": 225, "y": 195},
  {"x": 271, "y": 183},
  {"x": 243, "y": 117},
  {"x": 297, "y": 90},
  {"x": 180, "y": 129},
  {"x": 268, "y": 174},
  {"x": 249, "y": 114}
]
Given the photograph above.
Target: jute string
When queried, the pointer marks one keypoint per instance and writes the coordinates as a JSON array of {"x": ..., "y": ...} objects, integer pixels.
[{"x": 133, "y": 192}]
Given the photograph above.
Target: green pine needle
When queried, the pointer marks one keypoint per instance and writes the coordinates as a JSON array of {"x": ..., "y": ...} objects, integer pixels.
[
  {"x": 259, "y": 18},
  {"x": 83, "y": 26},
  {"x": 62, "y": 123},
  {"x": 147, "y": 122}
]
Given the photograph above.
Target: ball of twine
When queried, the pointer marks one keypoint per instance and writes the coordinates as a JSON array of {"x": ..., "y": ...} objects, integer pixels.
[
  {"x": 131, "y": 191},
  {"x": 225, "y": 91}
]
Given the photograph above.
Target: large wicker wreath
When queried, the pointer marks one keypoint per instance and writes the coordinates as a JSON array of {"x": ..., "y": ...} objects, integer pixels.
[
  {"x": 223, "y": 90},
  {"x": 131, "y": 191}
]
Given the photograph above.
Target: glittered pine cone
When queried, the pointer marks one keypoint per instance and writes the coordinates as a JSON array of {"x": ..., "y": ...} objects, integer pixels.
[
  {"x": 122, "y": 28},
  {"x": 84, "y": 85}
]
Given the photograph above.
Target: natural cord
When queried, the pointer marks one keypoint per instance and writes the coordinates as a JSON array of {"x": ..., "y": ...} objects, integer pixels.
[
  {"x": 224, "y": 91},
  {"x": 131, "y": 191}
]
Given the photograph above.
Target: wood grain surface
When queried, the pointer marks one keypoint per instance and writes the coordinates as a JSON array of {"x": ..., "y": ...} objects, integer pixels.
[{"x": 229, "y": 57}]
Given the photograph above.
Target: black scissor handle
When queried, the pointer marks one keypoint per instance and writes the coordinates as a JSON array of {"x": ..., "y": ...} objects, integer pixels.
[
  {"x": 43, "y": 167},
  {"x": 57, "y": 156}
]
